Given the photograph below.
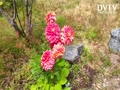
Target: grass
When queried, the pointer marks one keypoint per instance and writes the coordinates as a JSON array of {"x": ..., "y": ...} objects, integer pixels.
[
  {"x": 116, "y": 71},
  {"x": 91, "y": 29}
]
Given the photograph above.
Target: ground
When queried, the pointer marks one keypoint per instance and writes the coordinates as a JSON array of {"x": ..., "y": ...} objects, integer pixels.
[{"x": 98, "y": 67}]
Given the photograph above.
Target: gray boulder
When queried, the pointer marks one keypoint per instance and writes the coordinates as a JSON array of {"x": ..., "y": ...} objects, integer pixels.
[
  {"x": 114, "y": 42},
  {"x": 73, "y": 52}
]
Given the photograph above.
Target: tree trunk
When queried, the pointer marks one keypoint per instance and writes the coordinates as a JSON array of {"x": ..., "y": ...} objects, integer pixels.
[
  {"x": 15, "y": 21},
  {"x": 20, "y": 32},
  {"x": 29, "y": 25}
]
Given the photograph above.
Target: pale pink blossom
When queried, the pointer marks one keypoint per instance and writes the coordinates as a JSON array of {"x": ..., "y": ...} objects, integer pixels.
[
  {"x": 57, "y": 50},
  {"x": 47, "y": 62},
  {"x": 67, "y": 35}
]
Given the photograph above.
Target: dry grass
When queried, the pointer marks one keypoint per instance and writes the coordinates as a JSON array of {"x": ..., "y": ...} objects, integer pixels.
[{"x": 91, "y": 28}]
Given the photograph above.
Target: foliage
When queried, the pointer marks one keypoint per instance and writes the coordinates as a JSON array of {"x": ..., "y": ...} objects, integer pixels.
[
  {"x": 6, "y": 4},
  {"x": 61, "y": 20},
  {"x": 87, "y": 56},
  {"x": 1, "y": 3},
  {"x": 35, "y": 66},
  {"x": 50, "y": 80},
  {"x": 90, "y": 27}
]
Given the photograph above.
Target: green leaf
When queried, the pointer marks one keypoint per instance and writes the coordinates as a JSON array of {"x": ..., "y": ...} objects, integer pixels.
[
  {"x": 62, "y": 63},
  {"x": 1, "y": 3},
  {"x": 33, "y": 87},
  {"x": 67, "y": 64},
  {"x": 51, "y": 88},
  {"x": 58, "y": 87},
  {"x": 47, "y": 87},
  {"x": 52, "y": 76},
  {"x": 46, "y": 80},
  {"x": 37, "y": 59},
  {"x": 65, "y": 72},
  {"x": 63, "y": 81},
  {"x": 67, "y": 88},
  {"x": 40, "y": 81}
]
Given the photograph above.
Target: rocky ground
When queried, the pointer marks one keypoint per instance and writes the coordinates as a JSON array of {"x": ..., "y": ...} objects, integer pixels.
[{"x": 106, "y": 81}]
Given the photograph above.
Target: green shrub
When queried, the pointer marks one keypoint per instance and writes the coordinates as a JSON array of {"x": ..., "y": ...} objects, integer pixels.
[{"x": 50, "y": 80}]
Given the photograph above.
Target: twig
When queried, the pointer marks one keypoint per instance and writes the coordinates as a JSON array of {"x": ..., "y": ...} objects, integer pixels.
[
  {"x": 13, "y": 22},
  {"x": 18, "y": 18},
  {"x": 28, "y": 16}
]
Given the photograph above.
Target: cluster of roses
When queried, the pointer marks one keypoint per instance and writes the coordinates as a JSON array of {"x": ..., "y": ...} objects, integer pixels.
[{"x": 57, "y": 38}]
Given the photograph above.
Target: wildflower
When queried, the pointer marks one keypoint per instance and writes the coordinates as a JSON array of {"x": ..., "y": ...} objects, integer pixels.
[
  {"x": 47, "y": 62},
  {"x": 53, "y": 33},
  {"x": 58, "y": 50},
  {"x": 67, "y": 35},
  {"x": 50, "y": 18}
]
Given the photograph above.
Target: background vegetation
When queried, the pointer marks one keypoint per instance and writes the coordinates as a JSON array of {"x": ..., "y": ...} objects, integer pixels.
[{"x": 98, "y": 66}]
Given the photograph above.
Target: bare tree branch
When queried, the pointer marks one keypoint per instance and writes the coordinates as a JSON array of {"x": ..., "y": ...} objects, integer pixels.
[
  {"x": 14, "y": 23},
  {"x": 30, "y": 13},
  {"x": 18, "y": 16},
  {"x": 28, "y": 17},
  {"x": 23, "y": 12},
  {"x": 14, "y": 11}
]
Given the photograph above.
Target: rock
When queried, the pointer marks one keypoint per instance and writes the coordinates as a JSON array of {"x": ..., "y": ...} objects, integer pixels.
[
  {"x": 114, "y": 42},
  {"x": 73, "y": 52}
]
